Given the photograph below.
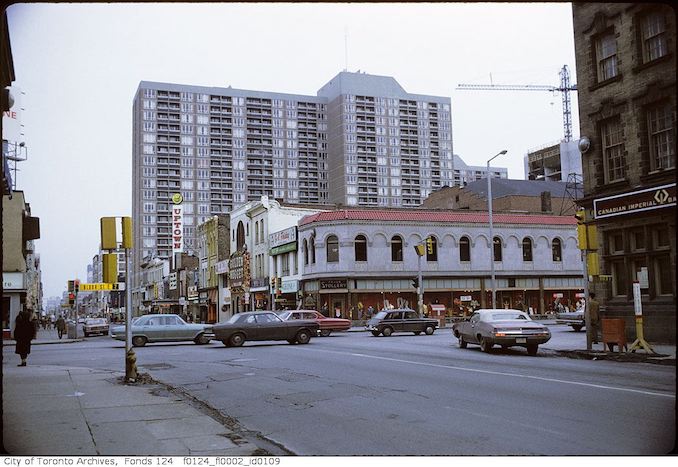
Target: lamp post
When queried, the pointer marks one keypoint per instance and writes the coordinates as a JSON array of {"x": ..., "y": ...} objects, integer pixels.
[{"x": 489, "y": 210}]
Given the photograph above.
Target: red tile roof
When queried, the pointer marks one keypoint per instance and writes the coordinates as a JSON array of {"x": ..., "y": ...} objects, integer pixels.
[{"x": 436, "y": 216}]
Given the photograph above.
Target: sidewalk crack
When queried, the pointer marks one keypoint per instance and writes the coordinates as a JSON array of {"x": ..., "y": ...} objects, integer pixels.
[{"x": 82, "y": 412}]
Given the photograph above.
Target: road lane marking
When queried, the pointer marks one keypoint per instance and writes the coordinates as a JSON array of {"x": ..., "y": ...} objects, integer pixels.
[{"x": 500, "y": 373}]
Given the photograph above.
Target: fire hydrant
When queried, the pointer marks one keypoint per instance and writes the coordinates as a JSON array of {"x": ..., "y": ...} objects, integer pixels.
[{"x": 131, "y": 366}]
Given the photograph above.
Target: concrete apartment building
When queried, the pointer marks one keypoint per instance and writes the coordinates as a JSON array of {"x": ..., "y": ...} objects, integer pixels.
[
  {"x": 626, "y": 74},
  {"x": 555, "y": 162},
  {"x": 465, "y": 174},
  {"x": 223, "y": 147}
]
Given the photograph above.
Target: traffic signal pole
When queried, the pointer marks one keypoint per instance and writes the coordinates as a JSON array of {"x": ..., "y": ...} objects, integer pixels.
[{"x": 420, "y": 289}]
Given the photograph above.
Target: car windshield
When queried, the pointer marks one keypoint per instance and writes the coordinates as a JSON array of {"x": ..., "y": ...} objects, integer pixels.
[
  {"x": 507, "y": 316},
  {"x": 381, "y": 315},
  {"x": 234, "y": 319},
  {"x": 96, "y": 321},
  {"x": 285, "y": 315}
]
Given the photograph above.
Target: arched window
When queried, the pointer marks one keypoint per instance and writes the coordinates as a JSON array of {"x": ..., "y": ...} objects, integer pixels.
[
  {"x": 311, "y": 247},
  {"x": 432, "y": 255},
  {"x": 497, "y": 248},
  {"x": 557, "y": 250},
  {"x": 240, "y": 236},
  {"x": 464, "y": 249},
  {"x": 305, "y": 248},
  {"x": 527, "y": 249},
  {"x": 261, "y": 234},
  {"x": 396, "y": 248},
  {"x": 256, "y": 233},
  {"x": 332, "y": 249},
  {"x": 360, "y": 247}
]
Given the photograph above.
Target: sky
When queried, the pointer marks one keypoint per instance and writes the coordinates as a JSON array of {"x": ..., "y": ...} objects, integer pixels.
[{"x": 79, "y": 66}]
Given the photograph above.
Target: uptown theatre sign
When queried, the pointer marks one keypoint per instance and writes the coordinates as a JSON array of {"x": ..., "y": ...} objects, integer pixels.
[{"x": 637, "y": 201}]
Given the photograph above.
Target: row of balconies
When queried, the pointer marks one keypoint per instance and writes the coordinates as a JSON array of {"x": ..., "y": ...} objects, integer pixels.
[
  {"x": 168, "y": 184},
  {"x": 169, "y": 161},
  {"x": 259, "y": 173},
  {"x": 307, "y": 115},
  {"x": 260, "y": 184},
  {"x": 220, "y": 121},
  {"x": 259, "y": 122},
  {"x": 226, "y": 175},
  {"x": 169, "y": 128},
  {"x": 221, "y": 186},
  {"x": 170, "y": 117},
  {"x": 168, "y": 95},
  {"x": 258, "y": 113},
  {"x": 165, "y": 150},
  {"x": 258, "y": 101},
  {"x": 168, "y": 139},
  {"x": 221, "y": 131},
  {"x": 221, "y": 111},
  {"x": 168, "y": 106}
]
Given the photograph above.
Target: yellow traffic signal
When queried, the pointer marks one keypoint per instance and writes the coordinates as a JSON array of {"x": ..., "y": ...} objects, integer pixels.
[
  {"x": 110, "y": 268},
  {"x": 592, "y": 264},
  {"x": 127, "y": 234},
  {"x": 108, "y": 233},
  {"x": 429, "y": 245}
]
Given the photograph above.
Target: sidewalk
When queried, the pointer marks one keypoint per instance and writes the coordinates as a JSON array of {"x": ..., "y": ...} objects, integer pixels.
[{"x": 59, "y": 411}]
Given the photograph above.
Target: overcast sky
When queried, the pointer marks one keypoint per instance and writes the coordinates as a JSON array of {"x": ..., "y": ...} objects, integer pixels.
[{"x": 80, "y": 66}]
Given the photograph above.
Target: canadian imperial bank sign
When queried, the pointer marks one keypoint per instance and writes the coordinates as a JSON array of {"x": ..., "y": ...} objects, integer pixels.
[{"x": 637, "y": 201}]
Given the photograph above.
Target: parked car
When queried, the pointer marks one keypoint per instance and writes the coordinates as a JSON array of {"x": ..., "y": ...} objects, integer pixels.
[
  {"x": 506, "y": 328},
  {"x": 164, "y": 328},
  {"x": 264, "y": 326},
  {"x": 327, "y": 325},
  {"x": 95, "y": 326},
  {"x": 387, "y": 322},
  {"x": 572, "y": 318}
]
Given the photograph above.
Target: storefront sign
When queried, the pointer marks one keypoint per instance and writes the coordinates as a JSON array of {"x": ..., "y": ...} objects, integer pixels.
[
  {"x": 557, "y": 295},
  {"x": 283, "y": 249},
  {"x": 221, "y": 267},
  {"x": 289, "y": 286},
  {"x": 239, "y": 270},
  {"x": 333, "y": 284},
  {"x": 177, "y": 228},
  {"x": 466, "y": 298},
  {"x": 193, "y": 292},
  {"x": 282, "y": 237},
  {"x": 259, "y": 283},
  {"x": 642, "y": 200},
  {"x": 173, "y": 281},
  {"x": 12, "y": 280}
]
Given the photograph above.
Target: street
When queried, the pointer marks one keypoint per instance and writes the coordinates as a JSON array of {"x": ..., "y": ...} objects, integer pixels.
[{"x": 354, "y": 394}]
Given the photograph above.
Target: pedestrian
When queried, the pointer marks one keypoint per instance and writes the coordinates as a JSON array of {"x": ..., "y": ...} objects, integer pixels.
[
  {"x": 60, "y": 326},
  {"x": 370, "y": 312},
  {"x": 325, "y": 310},
  {"x": 594, "y": 316},
  {"x": 24, "y": 333},
  {"x": 337, "y": 312}
]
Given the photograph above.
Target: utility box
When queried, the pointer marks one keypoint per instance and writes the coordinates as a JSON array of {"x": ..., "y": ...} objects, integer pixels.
[
  {"x": 614, "y": 333},
  {"x": 70, "y": 329}
]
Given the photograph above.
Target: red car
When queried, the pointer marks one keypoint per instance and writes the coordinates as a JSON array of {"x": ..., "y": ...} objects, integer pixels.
[{"x": 327, "y": 325}]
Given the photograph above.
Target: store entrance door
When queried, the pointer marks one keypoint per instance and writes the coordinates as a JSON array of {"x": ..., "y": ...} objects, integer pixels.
[{"x": 341, "y": 304}]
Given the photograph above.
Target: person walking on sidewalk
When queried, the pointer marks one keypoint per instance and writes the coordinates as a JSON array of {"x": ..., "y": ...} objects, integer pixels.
[
  {"x": 60, "y": 326},
  {"x": 594, "y": 316},
  {"x": 24, "y": 333}
]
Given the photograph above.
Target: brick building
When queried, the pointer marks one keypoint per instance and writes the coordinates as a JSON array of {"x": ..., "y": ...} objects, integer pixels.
[{"x": 626, "y": 75}]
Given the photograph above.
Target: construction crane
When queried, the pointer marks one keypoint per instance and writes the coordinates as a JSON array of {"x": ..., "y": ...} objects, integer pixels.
[{"x": 565, "y": 87}]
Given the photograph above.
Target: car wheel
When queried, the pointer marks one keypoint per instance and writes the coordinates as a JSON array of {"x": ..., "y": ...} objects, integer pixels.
[
  {"x": 303, "y": 336},
  {"x": 236, "y": 339},
  {"x": 375, "y": 333},
  {"x": 201, "y": 339},
  {"x": 138, "y": 341},
  {"x": 291, "y": 341},
  {"x": 387, "y": 332},
  {"x": 532, "y": 349},
  {"x": 577, "y": 328},
  {"x": 462, "y": 343},
  {"x": 325, "y": 332},
  {"x": 429, "y": 330},
  {"x": 485, "y": 345},
  {"x": 416, "y": 333}
]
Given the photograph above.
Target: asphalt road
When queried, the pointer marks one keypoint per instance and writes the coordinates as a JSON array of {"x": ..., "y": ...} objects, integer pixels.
[{"x": 354, "y": 394}]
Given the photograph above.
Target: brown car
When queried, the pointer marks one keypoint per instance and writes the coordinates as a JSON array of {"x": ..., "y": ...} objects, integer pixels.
[
  {"x": 95, "y": 326},
  {"x": 327, "y": 325}
]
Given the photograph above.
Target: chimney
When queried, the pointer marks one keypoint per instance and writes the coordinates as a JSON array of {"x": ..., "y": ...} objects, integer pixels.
[{"x": 545, "y": 201}]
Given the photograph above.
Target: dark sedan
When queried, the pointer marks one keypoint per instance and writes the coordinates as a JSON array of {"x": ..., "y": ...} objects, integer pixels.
[
  {"x": 263, "y": 326},
  {"x": 506, "y": 328},
  {"x": 387, "y": 322}
]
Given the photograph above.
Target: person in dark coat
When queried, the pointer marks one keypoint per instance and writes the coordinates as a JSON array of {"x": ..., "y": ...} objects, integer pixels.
[
  {"x": 24, "y": 333},
  {"x": 60, "y": 326}
]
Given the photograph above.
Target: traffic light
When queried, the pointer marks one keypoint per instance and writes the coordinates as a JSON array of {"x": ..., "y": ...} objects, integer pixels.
[
  {"x": 273, "y": 282},
  {"x": 429, "y": 245},
  {"x": 587, "y": 234},
  {"x": 110, "y": 267},
  {"x": 415, "y": 283},
  {"x": 76, "y": 285},
  {"x": 278, "y": 282},
  {"x": 108, "y": 233},
  {"x": 71, "y": 286},
  {"x": 71, "y": 298}
]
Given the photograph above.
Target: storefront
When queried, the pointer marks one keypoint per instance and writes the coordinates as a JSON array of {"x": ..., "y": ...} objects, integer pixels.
[{"x": 239, "y": 281}]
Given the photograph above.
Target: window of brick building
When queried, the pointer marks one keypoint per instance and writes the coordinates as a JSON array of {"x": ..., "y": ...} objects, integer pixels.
[
  {"x": 614, "y": 161},
  {"x": 497, "y": 249},
  {"x": 464, "y": 249},
  {"x": 332, "y": 249},
  {"x": 660, "y": 132},
  {"x": 606, "y": 57},
  {"x": 527, "y": 249},
  {"x": 396, "y": 248},
  {"x": 360, "y": 246},
  {"x": 557, "y": 250},
  {"x": 653, "y": 36}
]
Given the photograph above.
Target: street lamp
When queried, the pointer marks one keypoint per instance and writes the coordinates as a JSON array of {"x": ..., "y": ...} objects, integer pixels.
[{"x": 489, "y": 209}]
